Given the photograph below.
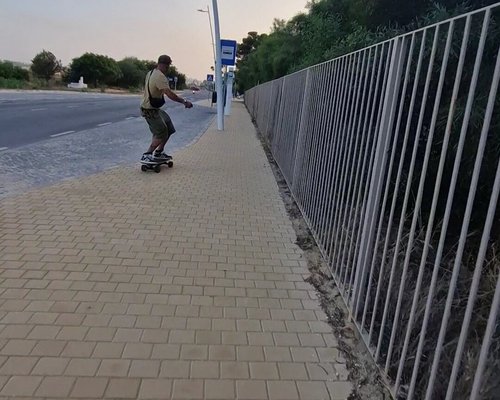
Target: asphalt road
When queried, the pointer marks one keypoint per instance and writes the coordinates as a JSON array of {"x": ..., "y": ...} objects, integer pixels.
[
  {"x": 47, "y": 136},
  {"x": 28, "y": 117}
]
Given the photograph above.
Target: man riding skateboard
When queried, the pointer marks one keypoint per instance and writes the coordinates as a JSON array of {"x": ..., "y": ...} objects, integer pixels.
[{"x": 160, "y": 124}]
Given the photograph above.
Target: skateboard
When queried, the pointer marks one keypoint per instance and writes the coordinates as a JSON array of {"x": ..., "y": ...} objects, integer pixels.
[{"x": 155, "y": 166}]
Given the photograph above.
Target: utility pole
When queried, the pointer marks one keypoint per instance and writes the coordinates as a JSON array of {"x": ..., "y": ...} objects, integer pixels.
[
  {"x": 211, "y": 29},
  {"x": 218, "y": 69}
]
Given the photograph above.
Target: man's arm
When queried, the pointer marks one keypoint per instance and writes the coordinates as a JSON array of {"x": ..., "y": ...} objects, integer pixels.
[{"x": 172, "y": 96}]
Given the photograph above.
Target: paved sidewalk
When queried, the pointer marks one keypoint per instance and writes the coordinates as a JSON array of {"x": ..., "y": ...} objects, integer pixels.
[{"x": 185, "y": 284}]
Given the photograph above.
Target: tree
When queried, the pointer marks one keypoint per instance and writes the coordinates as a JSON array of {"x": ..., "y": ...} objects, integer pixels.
[
  {"x": 377, "y": 13},
  {"x": 332, "y": 28},
  {"x": 9, "y": 71},
  {"x": 133, "y": 72},
  {"x": 45, "y": 65},
  {"x": 249, "y": 44},
  {"x": 246, "y": 77},
  {"x": 149, "y": 65},
  {"x": 96, "y": 69}
]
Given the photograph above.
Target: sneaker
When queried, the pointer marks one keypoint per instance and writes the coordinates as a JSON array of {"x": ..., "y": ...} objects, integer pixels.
[
  {"x": 161, "y": 157},
  {"x": 147, "y": 158}
]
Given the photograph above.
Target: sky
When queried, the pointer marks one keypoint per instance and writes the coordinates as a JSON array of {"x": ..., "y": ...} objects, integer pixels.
[{"x": 133, "y": 28}]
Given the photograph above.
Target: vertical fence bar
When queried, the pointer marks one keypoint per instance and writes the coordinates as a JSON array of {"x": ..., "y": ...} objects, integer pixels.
[
  {"x": 323, "y": 132},
  {"x": 279, "y": 127},
  {"x": 378, "y": 113},
  {"x": 458, "y": 258},
  {"x": 331, "y": 160},
  {"x": 316, "y": 138},
  {"x": 364, "y": 146},
  {"x": 351, "y": 267},
  {"x": 343, "y": 156},
  {"x": 386, "y": 194},
  {"x": 449, "y": 203},
  {"x": 461, "y": 245},
  {"x": 399, "y": 52},
  {"x": 266, "y": 130},
  {"x": 355, "y": 169},
  {"x": 430, "y": 224},
  {"x": 408, "y": 187},
  {"x": 296, "y": 125},
  {"x": 379, "y": 167},
  {"x": 335, "y": 158},
  {"x": 294, "y": 88},
  {"x": 345, "y": 168},
  {"x": 394, "y": 200},
  {"x": 298, "y": 153},
  {"x": 308, "y": 141},
  {"x": 334, "y": 87},
  {"x": 339, "y": 156},
  {"x": 418, "y": 200},
  {"x": 367, "y": 163}
]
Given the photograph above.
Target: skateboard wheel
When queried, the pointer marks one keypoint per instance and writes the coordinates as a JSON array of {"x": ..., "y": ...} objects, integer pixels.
[
  {"x": 157, "y": 168},
  {"x": 170, "y": 164},
  {"x": 144, "y": 168}
]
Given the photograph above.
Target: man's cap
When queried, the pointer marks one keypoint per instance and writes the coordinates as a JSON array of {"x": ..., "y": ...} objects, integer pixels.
[{"x": 164, "y": 59}]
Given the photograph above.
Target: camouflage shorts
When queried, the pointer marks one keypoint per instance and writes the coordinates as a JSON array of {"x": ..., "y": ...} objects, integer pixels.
[{"x": 159, "y": 122}]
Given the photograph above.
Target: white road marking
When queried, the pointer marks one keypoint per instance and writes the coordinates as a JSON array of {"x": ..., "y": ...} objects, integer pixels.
[
  {"x": 38, "y": 109},
  {"x": 72, "y": 106},
  {"x": 62, "y": 133},
  {"x": 130, "y": 117},
  {"x": 105, "y": 123},
  {"x": 3, "y": 148}
]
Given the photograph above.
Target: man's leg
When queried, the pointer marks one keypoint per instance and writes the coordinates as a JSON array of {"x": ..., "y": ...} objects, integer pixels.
[
  {"x": 169, "y": 129},
  {"x": 158, "y": 130},
  {"x": 150, "y": 116},
  {"x": 160, "y": 145},
  {"x": 155, "y": 142}
]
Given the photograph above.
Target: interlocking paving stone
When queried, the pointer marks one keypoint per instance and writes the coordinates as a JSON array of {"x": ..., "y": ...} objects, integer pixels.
[{"x": 182, "y": 284}]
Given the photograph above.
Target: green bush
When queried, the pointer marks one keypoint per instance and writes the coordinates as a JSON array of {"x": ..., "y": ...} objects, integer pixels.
[
  {"x": 10, "y": 83},
  {"x": 9, "y": 71}
]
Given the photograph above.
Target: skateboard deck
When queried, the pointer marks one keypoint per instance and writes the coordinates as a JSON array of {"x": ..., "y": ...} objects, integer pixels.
[{"x": 155, "y": 165}]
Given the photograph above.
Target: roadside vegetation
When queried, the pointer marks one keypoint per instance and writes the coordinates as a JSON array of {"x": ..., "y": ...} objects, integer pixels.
[
  {"x": 332, "y": 28},
  {"x": 98, "y": 71}
]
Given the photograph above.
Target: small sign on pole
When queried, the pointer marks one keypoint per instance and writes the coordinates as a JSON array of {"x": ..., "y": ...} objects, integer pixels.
[
  {"x": 210, "y": 78},
  {"x": 228, "y": 48}
]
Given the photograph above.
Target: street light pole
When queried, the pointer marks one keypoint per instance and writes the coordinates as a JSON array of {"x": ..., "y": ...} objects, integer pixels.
[
  {"x": 217, "y": 62},
  {"x": 211, "y": 29},
  {"x": 218, "y": 69}
]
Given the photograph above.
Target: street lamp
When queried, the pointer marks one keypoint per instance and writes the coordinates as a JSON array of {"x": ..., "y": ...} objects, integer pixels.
[
  {"x": 217, "y": 62},
  {"x": 211, "y": 29}
]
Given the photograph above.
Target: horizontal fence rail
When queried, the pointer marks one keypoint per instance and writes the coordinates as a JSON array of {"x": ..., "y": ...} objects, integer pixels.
[{"x": 392, "y": 154}]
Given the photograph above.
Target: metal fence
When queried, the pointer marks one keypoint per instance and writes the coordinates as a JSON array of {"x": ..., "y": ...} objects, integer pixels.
[{"x": 392, "y": 154}]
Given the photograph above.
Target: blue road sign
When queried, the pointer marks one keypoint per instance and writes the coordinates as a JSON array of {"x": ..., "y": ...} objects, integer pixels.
[
  {"x": 210, "y": 78},
  {"x": 228, "y": 47}
]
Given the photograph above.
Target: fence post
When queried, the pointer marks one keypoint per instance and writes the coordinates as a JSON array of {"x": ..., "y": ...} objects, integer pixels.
[
  {"x": 279, "y": 118},
  {"x": 379, "y": 168},
  {"x": 266, "y": 131},
  {"x": 298, "y": 152}
]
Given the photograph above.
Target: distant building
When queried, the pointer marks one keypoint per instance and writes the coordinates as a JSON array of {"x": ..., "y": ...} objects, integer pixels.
[{"x": 79, "y": 85}]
